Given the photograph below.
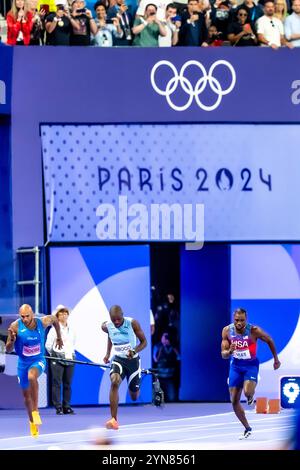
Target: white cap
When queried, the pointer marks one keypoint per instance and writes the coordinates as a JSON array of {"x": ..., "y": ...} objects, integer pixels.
[
  {"x": 60, "y": 306},
  {"x": 60, "y": 2}
]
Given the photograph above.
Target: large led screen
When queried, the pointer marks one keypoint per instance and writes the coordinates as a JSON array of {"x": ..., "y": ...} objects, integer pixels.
[{"x": 151, "y": 182}]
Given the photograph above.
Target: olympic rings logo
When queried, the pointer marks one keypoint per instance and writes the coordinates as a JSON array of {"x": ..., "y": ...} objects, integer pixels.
[{"x": 193, "y": 92}]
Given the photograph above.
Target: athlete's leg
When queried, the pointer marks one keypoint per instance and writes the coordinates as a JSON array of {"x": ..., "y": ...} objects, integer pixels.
[
  {"x": 249, "y": 390},
  {"x": 33, "y": 375},
  {"x": 25, "y": 385},
  {"x": 34, "y": 372},
  {"x": 28, "y": 403},
  {"x": 114, "y": 394},
  {"x": 236, "y": 383},
  {"x": 34, "y": 430},
  {"x": 134, "y": 375},
  {"x": 25, "y": 379},
  {"x": 134, "y": 395},
  {"x": 250, "y": 381},
  {"x": 235, "y": 396}
]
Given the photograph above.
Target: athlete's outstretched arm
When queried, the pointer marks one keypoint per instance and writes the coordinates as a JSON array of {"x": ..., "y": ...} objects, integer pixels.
[
  {"x": 52, "y": 320},
  {"x": 140, "y": 335},
  {"x": 260, "y": 334},
  {"x": 226, "y": 348}
]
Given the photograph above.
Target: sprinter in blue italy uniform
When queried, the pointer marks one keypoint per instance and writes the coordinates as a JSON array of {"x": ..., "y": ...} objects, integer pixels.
[
  {"x": 122, "y": 333},
  {"x": 239, "y": 343},
  {"x": 27, "y": 336}
]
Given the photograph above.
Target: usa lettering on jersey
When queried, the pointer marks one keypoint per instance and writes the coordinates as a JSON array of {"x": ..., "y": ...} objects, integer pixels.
[{"x": 241, "y": 343}]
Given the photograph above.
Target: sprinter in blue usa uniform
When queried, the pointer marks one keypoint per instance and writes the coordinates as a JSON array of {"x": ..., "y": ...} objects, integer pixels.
[
  {"x": 27, "y": 336},
  {"x": 239, "y": 343},
  {"x": 122, "y": 333}
]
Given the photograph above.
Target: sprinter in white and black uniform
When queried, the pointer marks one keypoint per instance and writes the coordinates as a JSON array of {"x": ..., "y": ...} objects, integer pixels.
[{"x": 122, "y": 333}]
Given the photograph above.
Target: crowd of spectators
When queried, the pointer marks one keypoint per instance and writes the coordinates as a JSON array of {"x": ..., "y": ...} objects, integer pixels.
[{"x": 156, "y": 23}]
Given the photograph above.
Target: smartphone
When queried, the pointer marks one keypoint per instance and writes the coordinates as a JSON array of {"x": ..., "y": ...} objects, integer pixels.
[
  {"x": 44, "y": 7},
  {"x": 81, "y": 10}
]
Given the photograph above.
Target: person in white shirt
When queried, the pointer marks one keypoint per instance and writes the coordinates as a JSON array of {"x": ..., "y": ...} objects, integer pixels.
[
  {"x": 62, "y": 372},
  {"x": 269, "y": 28},
  {"x": 172, "y": 23}
]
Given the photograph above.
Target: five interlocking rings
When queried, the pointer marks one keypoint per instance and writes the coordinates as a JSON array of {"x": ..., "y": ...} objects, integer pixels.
[{"x": 188, "y": 88}]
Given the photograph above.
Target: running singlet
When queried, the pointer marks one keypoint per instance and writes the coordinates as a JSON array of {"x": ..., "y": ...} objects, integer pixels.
[
  {"x": 122, "y": 338},
  {"x": 245, "y": 345},
  {"x": 29, "y": 344}
]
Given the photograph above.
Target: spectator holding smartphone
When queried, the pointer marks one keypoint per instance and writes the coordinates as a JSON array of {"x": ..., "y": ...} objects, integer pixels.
[
  {"x": 214, "y": 39},
  {"x": 59, "y": 25},
  {"x": 240, "y": 32},
  {"x": 172, "y": 23},
  {"x": 48, "y": 6},
  {"x": 107, "y": 29},
  {"x": 37, "y": 30},
  {"x": 161, "y": 6},
  {"x": 221, "y": 16},
  {"x": 147, "y": 29},
  {"x": 85, "y": 24},
  {"x": 19, "y": 24},
  {"x": 193, "y": 30},
  {"x": 121, "y": 11}
]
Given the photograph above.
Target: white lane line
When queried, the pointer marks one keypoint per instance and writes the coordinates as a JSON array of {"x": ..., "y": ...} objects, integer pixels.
[
  {"x": 125, "y": 426},
  {"x": 188, "y": 427},
  {"x": 212, "y": 436},
  {"x": 148, "y": 434}
]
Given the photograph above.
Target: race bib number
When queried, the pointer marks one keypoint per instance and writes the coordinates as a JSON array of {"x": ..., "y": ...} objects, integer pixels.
[
  {"x": 31, "y": 350},
  {"x": 122, "y": 349},
  {"x": 241, "y": 354}
]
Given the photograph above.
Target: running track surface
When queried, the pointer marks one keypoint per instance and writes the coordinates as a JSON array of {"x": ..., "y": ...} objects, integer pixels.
[{"x": 174, "y": 426}]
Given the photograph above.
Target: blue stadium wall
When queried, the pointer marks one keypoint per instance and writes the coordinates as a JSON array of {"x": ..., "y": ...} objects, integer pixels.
[
  {"x": 87, "y": 86},
  {"x": 6, "y": 255}
]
